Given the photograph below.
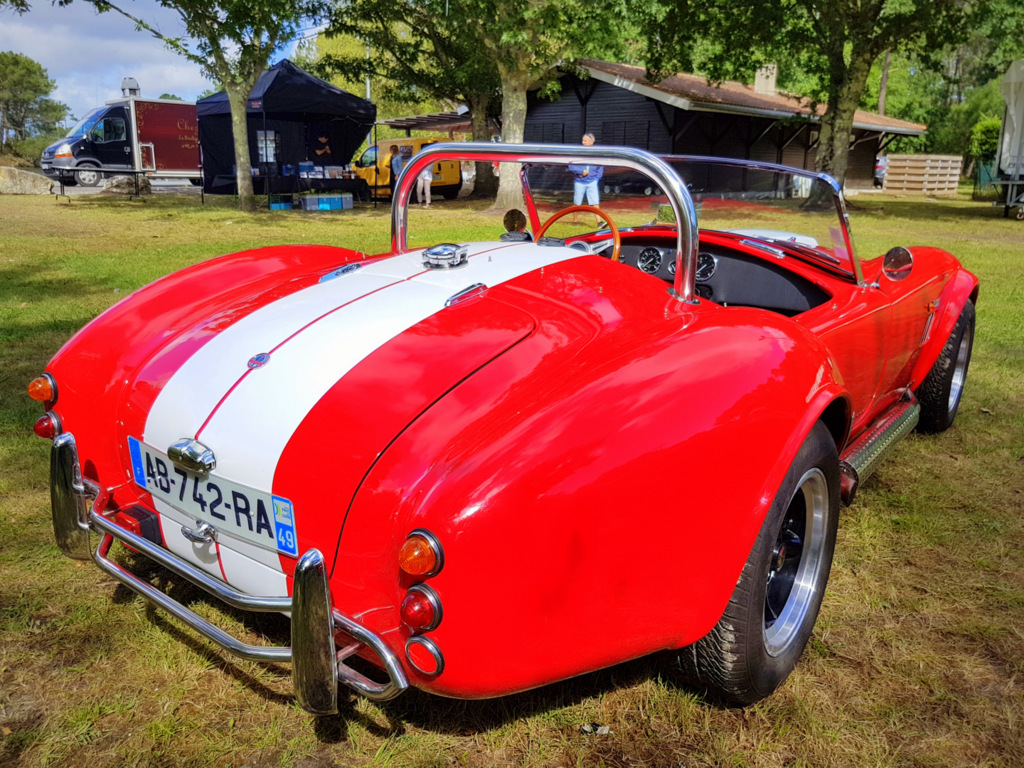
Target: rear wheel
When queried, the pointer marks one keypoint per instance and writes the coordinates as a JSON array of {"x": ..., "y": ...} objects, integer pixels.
[
  {"x": 771, "y": 614},
  {"x": 942, "y": 389}
]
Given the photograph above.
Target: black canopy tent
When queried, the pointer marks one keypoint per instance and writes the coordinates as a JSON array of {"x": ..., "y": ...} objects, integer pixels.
[{"x": 299, "y": 108}]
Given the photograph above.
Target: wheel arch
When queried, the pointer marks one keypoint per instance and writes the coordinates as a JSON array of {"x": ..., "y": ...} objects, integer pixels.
[{"x": 961, "y": 289}]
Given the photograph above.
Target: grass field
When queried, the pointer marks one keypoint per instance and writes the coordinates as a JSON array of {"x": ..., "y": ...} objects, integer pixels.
[{"x": 917, "y": 658}]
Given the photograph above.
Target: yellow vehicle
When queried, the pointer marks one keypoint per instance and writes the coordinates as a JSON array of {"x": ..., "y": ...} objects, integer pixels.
[{"x": 374, "y": 167}]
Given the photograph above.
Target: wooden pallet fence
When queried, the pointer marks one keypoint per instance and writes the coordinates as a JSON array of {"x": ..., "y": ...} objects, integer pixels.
[{"x": 924, "y": 174}]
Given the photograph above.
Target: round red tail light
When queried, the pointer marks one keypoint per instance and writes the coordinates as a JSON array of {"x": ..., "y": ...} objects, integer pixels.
[
  {"x": 421, "y": 554},
  {"x": 47, "y": 426},
  {"x": 421, "y": 608}
]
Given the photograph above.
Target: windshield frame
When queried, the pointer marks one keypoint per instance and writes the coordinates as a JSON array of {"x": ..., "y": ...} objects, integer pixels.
[{"x": 838, "y": 199}]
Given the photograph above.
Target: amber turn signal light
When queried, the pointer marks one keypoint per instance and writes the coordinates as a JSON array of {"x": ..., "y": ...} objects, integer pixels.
[
  {"x": 43, "y": 388},
  {"x": 420, "y": 555}
]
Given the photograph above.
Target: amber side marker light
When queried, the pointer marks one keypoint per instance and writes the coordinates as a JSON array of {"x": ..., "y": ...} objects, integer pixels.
[
  {"x": 421, "y": 555},
  {"x": 43, "y": 388}
]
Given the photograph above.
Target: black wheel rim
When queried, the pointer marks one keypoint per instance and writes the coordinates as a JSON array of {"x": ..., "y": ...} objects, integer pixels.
[{"x": 794, "y": 571}]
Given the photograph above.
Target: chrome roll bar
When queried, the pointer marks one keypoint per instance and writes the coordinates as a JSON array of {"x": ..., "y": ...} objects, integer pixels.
[{"x": 564, "y": 154}]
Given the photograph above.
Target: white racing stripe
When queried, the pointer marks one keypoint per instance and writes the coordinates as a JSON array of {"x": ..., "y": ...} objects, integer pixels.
[{"x": 315, "y": 337}]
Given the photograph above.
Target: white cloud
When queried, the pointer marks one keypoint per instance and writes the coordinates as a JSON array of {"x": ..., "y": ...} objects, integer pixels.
[{"x": 88, "y": 53}]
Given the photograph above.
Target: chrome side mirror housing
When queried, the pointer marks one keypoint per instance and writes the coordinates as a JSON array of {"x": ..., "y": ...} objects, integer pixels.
[{"x": 898, "y": 263}]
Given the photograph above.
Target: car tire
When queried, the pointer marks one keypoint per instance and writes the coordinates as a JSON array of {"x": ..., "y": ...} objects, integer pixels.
[
  {"x": 88, "y": 176},
  {"x": 943, "y": 388},
  {"x": 771, "y": 614}
]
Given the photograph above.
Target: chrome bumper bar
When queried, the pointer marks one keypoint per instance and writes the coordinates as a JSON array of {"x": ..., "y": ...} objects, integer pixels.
[{"x": 317, "y": 666}]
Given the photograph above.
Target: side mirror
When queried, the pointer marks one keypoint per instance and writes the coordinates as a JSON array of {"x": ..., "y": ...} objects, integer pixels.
[{"x": 898, "y": 263}]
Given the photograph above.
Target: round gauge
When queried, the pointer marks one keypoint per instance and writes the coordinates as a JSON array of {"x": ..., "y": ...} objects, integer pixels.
[
  {"x": 671, "y": 266},
  {"x": 649, "y": 260},
  {"x": 706, "y": 266}
]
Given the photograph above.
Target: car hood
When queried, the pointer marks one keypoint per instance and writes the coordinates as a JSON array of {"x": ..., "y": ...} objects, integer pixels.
[{"x": 328, "y": 375}]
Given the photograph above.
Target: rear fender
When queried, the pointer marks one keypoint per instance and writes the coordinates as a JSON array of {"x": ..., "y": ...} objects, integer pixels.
[
  {"x": 961, "y": 289},
  {"x": 161, "y": 326},
  {"x": 605, "y": 508}
]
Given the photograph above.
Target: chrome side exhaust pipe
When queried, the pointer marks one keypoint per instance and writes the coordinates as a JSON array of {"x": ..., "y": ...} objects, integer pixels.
[{"x": 863, "y": 456}]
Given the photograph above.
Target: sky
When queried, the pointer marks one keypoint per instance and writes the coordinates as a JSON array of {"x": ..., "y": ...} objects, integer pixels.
[{"x": 87, "y": 54}]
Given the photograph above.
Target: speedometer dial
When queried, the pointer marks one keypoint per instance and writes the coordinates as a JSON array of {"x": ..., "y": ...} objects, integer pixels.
[
  {"x": 649, "y": 260},
  {"x": 706, "y": 266}
]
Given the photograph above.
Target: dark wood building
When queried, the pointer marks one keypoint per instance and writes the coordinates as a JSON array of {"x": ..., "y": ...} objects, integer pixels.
[{"x": 683, "y": 114}]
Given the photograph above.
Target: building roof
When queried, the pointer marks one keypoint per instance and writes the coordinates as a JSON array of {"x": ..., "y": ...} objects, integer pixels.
[
  {"x": 436, "y": 121},
  {"x": 693, "y": 92}
]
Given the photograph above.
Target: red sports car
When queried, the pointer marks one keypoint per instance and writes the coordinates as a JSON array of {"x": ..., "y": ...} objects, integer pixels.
[{"x": 477, "y": 468}]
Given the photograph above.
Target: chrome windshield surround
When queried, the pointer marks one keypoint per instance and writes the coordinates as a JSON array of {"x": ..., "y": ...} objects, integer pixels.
[
  {"x": 657, "y": 169},
  {"x": 837, "y": 193},
  {"x": 314, "y": 620}
]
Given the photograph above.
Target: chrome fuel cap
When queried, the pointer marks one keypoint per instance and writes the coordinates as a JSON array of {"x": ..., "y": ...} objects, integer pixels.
[{"x": 446, "y": 256}]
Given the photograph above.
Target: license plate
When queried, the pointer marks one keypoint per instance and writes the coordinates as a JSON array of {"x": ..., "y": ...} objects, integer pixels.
[{"x": 236, "y": 510}]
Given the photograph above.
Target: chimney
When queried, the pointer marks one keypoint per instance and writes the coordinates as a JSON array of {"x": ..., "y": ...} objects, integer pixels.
[
  {"x": 130, "y": 87},
  {"x": 764, "y": 80}
]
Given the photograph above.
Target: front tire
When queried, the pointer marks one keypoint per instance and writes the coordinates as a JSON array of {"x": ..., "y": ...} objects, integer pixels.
[
  {"x": 87, "y": 176},
  {"x": 943, "y": 388},
  {"x": 771, "y": 614}
]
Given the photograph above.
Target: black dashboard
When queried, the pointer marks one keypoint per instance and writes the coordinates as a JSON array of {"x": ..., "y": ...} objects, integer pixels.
[{"x": 729, "y": 277}]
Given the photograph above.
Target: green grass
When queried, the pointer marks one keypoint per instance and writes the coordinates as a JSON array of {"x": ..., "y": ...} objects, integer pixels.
[{"x": 917, "y": 659}]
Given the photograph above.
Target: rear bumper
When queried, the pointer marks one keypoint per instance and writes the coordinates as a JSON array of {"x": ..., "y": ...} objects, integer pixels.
[{"x": 317, "y": 666}]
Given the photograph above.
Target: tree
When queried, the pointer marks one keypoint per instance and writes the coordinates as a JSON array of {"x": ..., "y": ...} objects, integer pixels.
[
  {"x": 420, "y": 49},
  {"x": 464, "y": 50},
  {"x": 24, "y": 107},
  {"x": 233, "y": 43},
  {"x": 835, "y": 41},
  {"x": 528, "y": 41}
]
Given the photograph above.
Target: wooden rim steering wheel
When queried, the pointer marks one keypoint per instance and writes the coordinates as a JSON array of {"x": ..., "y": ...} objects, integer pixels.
[{"x": 616, "y": 248}]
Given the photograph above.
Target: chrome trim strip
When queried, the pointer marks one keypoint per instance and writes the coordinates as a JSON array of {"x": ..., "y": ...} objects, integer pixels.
[
  {"x": 314, "y": 666},
  {"x": 345, "y": 270},
  {"x": 776, "y": 252},
  {"x": 476, "y": 289},
  {"x": 863, "y": 456},
  {"x": 660, "y": 172}
]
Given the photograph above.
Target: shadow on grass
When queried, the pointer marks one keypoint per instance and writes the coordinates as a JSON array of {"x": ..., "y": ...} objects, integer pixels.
[
  {"x": 414, "y": 707},
  {"x": 922, "y": 210}
]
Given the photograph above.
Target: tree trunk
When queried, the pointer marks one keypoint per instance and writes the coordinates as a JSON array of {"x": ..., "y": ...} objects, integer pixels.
[
  {"x": 837, "y": 122},
  {"x": 513, "y": 123},
  {"x": 237, "y": 98},
  {"x": 883, "y": 88},
  {"x": 486, "y": 184}
]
